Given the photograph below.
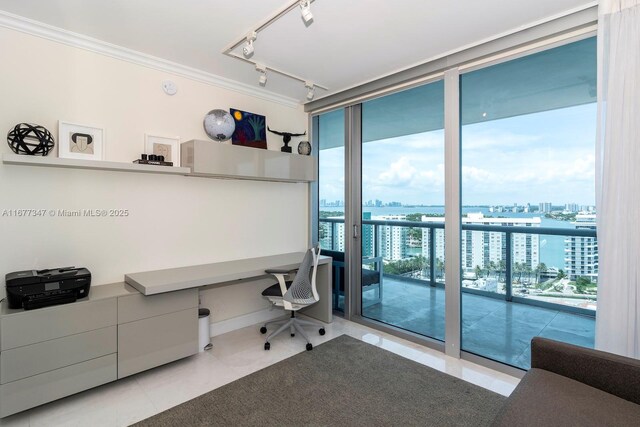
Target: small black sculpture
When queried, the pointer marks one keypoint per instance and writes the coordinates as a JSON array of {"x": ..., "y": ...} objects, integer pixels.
[
  {"x": 286, "y": 138},
  {"x": 33, "y": 140}
]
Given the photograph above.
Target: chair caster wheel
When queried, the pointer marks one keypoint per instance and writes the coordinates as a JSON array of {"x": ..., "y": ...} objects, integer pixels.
[
  {"x": 321, "y": 331},
  {"x": 267, "y": 346},
  {"x": 293, "y": 335},
  {"x": 263, "y": 330},
  {"x": 309, "y": 347}
]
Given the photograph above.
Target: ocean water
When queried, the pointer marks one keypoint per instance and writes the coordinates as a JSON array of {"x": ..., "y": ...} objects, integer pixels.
[{"x": 551, "y": 247}]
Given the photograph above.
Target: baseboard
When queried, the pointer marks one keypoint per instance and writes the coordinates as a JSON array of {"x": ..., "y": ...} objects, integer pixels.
[{"x": 224, "y": 326}]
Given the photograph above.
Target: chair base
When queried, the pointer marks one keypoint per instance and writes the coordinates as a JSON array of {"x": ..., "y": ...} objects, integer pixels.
[{"x": 293, "y": 324}]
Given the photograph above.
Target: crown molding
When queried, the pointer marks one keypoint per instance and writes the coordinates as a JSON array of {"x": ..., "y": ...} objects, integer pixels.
[{"x": 80, "y": 41}]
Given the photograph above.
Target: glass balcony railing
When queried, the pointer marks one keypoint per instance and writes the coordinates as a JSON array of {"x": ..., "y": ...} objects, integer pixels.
[{"x": 503, "y": 262}]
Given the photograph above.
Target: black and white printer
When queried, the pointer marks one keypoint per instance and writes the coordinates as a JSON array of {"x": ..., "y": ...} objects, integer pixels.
[{"x": 41, "y": 288}]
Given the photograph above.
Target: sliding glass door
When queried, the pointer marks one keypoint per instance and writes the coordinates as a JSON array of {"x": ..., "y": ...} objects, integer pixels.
[
  {"x": 528, "y": 248},
  {"x": 331, "y": 197},
  {"x": 403, "y": 210},
  {"x": 529, "y": 254}
]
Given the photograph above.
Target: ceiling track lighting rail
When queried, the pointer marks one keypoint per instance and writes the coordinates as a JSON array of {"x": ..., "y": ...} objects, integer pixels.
[
  {"x": 248, "y": 49},
  {"x": 262, "y": 80}
]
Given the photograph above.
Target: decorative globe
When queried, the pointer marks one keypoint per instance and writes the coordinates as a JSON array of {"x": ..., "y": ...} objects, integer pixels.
[
  {"x": 219, "y": 125},
  {"x": 29, "y": 139}
]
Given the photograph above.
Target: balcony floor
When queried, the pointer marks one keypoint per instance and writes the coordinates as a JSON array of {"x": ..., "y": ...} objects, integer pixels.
[{"x": 491, "y": 328}]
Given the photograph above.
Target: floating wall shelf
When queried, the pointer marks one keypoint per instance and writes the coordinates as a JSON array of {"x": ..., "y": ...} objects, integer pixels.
[
  {"x": 218, "y": 160},
  {"x": 55, "y": 162}
]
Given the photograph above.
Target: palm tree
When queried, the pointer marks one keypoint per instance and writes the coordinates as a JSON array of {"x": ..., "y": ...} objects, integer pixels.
[
  {"x": 528, "y": 270},
  {"x": 439, "y": 266},
  {"x": 478, "y": 272},
  {"x": 502, "y": 268},
  {"x": 517, "y": 269},
  {"x": 491, "y": 267},
  {"x": 561, "y": 274},
  {"x": 540, "y": 268}
]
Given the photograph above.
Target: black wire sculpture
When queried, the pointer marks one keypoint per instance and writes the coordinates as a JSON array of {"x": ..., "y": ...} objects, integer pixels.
[{"x": 32, "y": 140}]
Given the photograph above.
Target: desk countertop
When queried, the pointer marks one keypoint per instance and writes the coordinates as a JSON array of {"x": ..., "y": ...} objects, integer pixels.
[{"x": 174, "y": 279}]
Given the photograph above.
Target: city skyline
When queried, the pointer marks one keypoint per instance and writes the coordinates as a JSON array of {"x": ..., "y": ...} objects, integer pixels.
[{"x": 506, "y": 208}]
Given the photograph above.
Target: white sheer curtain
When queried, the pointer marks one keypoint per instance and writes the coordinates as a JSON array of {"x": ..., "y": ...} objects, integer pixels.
[{"x": 618, "y": 178}]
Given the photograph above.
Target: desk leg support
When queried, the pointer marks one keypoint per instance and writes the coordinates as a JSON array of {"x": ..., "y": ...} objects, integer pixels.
[{"x": 323, "y": 309}]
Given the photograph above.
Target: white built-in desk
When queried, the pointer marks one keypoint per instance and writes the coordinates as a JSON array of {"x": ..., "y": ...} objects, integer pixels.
[
  {"x": 118, "y": 331},
  {"x": 228, "y": 272}
]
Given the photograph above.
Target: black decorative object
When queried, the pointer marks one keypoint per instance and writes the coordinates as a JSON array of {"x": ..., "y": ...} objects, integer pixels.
[
  {"x": 304, "y": 148},
  {"x": 32, "y": 140},
  {"x": 286, "y": 138}
]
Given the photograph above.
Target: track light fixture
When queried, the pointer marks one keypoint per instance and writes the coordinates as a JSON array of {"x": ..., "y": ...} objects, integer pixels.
[
  {"x": 312, "y": 90},
  {"x": 247, "y": 50},
  {"x": 243, "y": 48},
  {"x": 262, "y": 80},
  {"x": 305, "y": 10}
]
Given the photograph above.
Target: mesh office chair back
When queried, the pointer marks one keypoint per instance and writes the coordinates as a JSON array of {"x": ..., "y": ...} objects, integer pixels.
[{"x": 303, "y": 289}]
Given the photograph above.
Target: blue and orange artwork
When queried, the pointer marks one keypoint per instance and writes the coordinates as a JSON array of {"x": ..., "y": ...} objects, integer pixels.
[{"x": 251, "y": 129}]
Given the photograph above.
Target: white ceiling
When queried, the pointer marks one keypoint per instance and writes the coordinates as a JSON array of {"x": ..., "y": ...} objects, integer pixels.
[{"x": 349, "y": 42}]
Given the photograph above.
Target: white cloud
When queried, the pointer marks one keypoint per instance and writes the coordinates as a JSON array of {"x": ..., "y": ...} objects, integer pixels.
[{"x": 503, "y": 140}]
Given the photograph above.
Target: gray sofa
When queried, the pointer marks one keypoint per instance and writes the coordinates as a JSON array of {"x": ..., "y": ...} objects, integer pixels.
[{"x": 574, "y": 386}]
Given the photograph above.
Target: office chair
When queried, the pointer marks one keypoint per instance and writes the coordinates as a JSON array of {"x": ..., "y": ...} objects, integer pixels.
[{"x": 294, "y": 295}]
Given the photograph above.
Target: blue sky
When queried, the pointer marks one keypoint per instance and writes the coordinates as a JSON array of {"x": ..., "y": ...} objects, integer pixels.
[{"x": 541, "y": 157}]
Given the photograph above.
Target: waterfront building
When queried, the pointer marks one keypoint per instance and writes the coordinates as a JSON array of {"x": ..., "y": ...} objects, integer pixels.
[
  {"x": 545, "y": 207},
  {"x": 572, "y": 207},
  {"x": 581, "y": 253},
  {"x": 480, "y": 248},
  {"x": 392, "y": 240}
]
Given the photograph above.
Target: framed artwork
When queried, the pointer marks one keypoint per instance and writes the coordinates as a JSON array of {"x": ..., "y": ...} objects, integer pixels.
[
  {"x": 77, "y": 141},
  {"x": 166, "y": 146},
  {"x": 251, "y": 129}
]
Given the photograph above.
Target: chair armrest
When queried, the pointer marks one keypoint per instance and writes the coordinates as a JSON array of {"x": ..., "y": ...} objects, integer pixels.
[
  {"x": 279, "y": 270},
  {"x": 611, "y": 373}
]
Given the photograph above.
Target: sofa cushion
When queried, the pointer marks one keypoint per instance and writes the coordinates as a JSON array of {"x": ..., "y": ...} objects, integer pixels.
[{"x": 546, "y": 399}]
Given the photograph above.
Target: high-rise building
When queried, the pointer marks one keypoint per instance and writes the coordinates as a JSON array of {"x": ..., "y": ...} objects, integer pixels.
[
  {"x": 479, "y": 248},
  {"x": 572, "y": 207},
  {"x": 581, "y": 253},
  {"x": 545, "y": 207},
  {"x": 332, "y": 235},
  {"x": 367, "y": 236},
  {"x": 392, "y": 240}
]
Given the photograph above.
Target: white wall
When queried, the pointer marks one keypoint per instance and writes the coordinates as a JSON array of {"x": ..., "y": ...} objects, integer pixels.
[{"x": 174, "y": 220}]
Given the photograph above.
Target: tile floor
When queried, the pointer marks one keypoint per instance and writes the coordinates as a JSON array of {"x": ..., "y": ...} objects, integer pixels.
[
  {"x": 491, "y": 328},
  {"x": 233, "y": 356}
]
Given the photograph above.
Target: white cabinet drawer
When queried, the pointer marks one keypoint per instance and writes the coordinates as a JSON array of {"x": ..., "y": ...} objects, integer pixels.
[
  {"x": 138, "y": 306},
  {"x": 38, "y": 389},
  {"x": 34, "y": 359},
  {"x": 34, "y": 326},
  {"x": 147, "y": 343}
]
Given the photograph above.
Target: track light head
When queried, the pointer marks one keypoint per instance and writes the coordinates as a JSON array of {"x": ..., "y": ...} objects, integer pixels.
[
  {"x": 312, "y": 90},
  {"x": 247, "y": 50},
  {"x": 305, "y": 10},
  {"x": 262, "y": 80}
]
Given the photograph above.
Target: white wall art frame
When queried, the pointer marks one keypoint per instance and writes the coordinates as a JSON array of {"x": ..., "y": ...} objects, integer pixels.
[
  {"x": 166, "y": 146},
  {"x": 76, "y": 141}
]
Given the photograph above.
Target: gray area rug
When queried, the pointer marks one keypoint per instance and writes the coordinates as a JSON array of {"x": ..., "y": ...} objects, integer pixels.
[{"x": 343, "y": 382}]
